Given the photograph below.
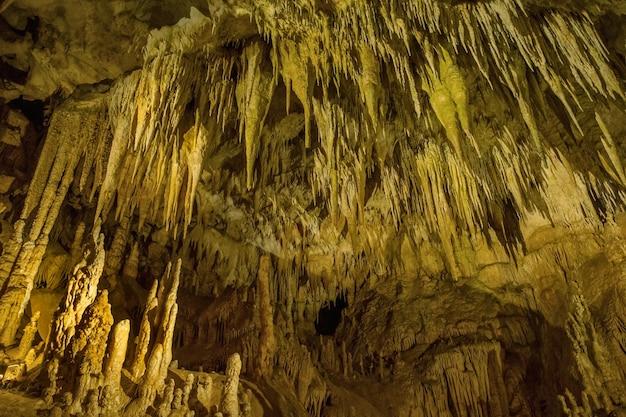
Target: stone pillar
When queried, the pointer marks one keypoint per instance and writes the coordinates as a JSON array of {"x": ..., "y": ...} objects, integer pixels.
[
  {"x": 26, "y": 343},
  {"x": 229, "y": 403},
  {"x": 148, "y": 386},
  {"x": 81, "y": 292},
  {"x": 267, "y": 341},
  {"x": 138, "y": 366},
  {"x": 116, "y": 354}
]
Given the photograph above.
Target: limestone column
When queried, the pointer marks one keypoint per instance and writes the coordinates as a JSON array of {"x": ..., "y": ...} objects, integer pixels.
[
  {"x": 90, "y": 341},
  {"x": 138, "y": 366},
  {"x": 229, "y": 403},
  {"x": 116, "y": 354},
  {"x": 71, "y": 130},
  {"x": 28, "y": 337},
  {"x": 267, "y": 340},
  {"x": 81, "y": 292},
  {"x": 148, "y": 386},
  {"x": 168, "y": 322},
  {"x": 167, "y": 342}
]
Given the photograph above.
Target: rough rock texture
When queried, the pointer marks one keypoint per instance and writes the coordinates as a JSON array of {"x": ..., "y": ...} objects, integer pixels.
[{"x": 350, "y": 208}]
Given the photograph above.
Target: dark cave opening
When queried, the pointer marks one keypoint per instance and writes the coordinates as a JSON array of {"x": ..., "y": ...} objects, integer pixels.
[
  {"x": 33, "y": 110},
  {"x": 329, "y": 317}
]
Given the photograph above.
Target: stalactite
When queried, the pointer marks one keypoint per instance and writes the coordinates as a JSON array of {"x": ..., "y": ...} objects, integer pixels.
[
  {"x": 615, "y": 168},
  {"x": 295, "y": 70},
  {"x": 369, "y": 83},
  {"x": 15, "y": 297},
  {"x": 516, "y": 79},
  {"x": 304, "y": 379},
  {"x": 325, "y": 116},
  {"x": 254, "y": 92},
  {"x": 11, "y": 251},
  {"x": 445, "y": 109},
  {"x": 154, "y": 158},
  {"x": 454, "y": 82}
]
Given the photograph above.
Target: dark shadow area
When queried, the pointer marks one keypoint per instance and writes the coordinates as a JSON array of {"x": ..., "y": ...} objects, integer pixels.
[
  {"x": 33, "y": 110},
  {"x": 329, "y": 317}
]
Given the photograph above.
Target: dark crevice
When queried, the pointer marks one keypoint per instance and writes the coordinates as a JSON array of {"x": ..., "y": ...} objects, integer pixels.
[
  {"x": 329, "y": 317},
  {"x": 33, "y": 110},
  {"x": 10, "y": 73}
]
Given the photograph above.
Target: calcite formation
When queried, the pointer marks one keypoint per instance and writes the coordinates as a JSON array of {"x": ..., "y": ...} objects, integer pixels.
[{"x": 313, "y": 208}]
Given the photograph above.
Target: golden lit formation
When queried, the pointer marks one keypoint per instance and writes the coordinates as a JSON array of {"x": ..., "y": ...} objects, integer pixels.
[{"x": 315, "y": 208}]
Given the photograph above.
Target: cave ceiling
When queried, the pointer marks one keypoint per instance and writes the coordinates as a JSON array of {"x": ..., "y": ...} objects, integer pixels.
[{"x": 381, "y": 190}]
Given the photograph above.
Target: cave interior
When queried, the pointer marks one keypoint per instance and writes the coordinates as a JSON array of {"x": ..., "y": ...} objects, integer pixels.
[{"x": 312, "y": 208}]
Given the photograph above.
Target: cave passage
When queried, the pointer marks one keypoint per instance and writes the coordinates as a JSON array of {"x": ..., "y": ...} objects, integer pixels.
[{"x": 329, "y": 317}]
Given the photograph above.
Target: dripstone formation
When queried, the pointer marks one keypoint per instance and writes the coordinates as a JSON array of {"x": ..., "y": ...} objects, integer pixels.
[{"x": 324, "y": 208}]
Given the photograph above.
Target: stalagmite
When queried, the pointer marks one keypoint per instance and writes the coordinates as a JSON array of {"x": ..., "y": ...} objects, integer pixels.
[
  {"x": 110, "y": 401},
  {"x": 148, "y": 386},
  {"x": 116, "y": 354},
  {"x": 51, "y": 390},
  {"x": 165, "y": 408},
  {"x": 81, "y": 388},
  {"x": 229, "y": 402},
  {"x": 30, "y": 331},
  {"x": 93, "y": 407},
  {"x": 167, "y": 341},
  {"x": 138, "y": 365},
  {"x": 189, "y": 382},
  {"x": 246, "y": 408},
  {"x": 267, "y": 341},
  {"x": 168, "y": 312},
  {"x": 81, "y": 292},
  {"x": 590, "y": 358},
  {"x": 88, "y": 346},
  {"x": 76, "y": 250},
  {"x": 204, "y": 391}
]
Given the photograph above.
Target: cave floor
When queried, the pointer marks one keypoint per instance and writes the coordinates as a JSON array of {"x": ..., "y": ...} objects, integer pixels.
[{"x": 15, "y": 404}]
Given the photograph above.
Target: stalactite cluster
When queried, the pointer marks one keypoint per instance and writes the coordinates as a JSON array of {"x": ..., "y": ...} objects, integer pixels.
[{"x": 380, "y": 208}]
